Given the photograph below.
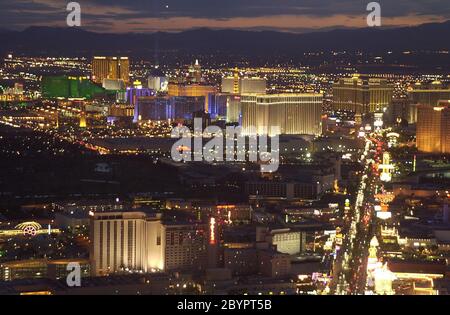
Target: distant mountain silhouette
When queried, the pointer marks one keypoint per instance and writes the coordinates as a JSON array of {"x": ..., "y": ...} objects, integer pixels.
[{"x": 47, "y": 40}]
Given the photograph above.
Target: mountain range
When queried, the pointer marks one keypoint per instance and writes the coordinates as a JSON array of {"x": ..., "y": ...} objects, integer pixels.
[{"x": 48, "y": 40}]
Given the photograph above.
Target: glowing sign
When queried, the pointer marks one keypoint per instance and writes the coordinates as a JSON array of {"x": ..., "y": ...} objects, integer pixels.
[
  {"x": 393, "y": 134},
  {"x": 339, "y": 237},
  {"x": 385, "y": 198},
  {"x": 347, "y": 205},
  {"x": 212, "y": 231},
  {"x": 384, "y": 215},
  {"x": 227, "y": 210},
  {"x": 338, "y": 240},
  {"x": 385, "y": 177},
  {"x": 29, "y": 228},
  {"x": 386, "y": 168}
]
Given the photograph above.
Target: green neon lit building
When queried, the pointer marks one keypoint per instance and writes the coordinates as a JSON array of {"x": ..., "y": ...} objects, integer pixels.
[{"x": 70, "y": 87}]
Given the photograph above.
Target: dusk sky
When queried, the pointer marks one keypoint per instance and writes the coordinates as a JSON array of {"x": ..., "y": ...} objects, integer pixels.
[{"x": 175, "y": 15}]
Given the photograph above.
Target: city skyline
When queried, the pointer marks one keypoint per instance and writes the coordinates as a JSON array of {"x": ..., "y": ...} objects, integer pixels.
[{"x": 225, "y": 162}]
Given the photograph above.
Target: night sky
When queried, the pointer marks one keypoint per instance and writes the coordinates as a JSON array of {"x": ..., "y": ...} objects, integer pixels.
[{"x": 176, "y": 15}]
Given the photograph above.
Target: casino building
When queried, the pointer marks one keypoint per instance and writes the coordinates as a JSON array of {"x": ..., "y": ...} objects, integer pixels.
[{"x": 136, "y": 242}]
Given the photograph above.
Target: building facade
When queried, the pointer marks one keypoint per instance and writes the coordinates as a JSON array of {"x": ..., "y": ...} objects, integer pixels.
[
  {"x": 433, "y": 128},
  {"x": 114, "y": 68},
  {"x": 427, "y": 95},
  {"x": 191, "y": 90},
  {"x": 235, "y": 85},
  {"x": 291, "y": 113},
  {"x": 135, "y": 242},
  {"x": 362, "y": 95}
]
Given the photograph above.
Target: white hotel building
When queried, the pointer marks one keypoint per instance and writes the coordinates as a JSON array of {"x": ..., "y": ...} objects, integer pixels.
[
  {"x": 136, "y": 242},
  {"x": 292, "y": 113}
]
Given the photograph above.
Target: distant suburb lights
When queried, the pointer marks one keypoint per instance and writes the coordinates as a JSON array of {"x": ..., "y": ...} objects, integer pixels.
[{"x": 74, "y": 15}]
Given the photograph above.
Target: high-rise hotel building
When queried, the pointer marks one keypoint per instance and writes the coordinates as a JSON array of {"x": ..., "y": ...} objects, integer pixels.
[
  {"x": 291, "y": 113},
  {"x": 192, "y": 90},
  {"x": 136, "y": 242},
  {"x": 362, "y": 95},
  {"x": 235, "y": 85},
  {"x": 113, "y": 68},
  {"x": 433, "y": 128},
  {"x": 428, "y": 94}
]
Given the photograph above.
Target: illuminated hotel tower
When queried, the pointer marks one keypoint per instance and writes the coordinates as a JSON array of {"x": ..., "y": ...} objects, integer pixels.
[
  {"x": 433, "y": 128},
  {"x": 362, "y": 95},
  {"x": 83, "y": 123},
  {"x": 125, "y": 241},
  {"x": 192, "y": 90},
  {"x": 134, "y": 241},
  {"x": 236, "y": 81},
  {"x": 425, "y": 94},
  {"x": 292, "y": 113},
  {"x": 249, "y": 85},
  {"x": 114, "y": 68},
  {"x": 195, "y": 72}
]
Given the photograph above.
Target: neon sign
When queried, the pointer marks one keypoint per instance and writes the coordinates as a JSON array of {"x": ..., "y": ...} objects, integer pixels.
[{"x": 212, "y": 231}]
